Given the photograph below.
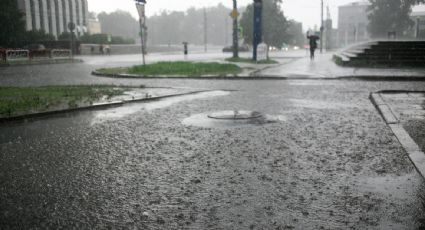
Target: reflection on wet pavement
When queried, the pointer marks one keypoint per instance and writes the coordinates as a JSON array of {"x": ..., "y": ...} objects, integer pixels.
[
  {"x": 406, "y": 106},
  {"x": 120, "y": 112},
  {"x": 315, "y": 104},
  {"x": 205, "y": 120},
  {"x": 310, "y": 168}
]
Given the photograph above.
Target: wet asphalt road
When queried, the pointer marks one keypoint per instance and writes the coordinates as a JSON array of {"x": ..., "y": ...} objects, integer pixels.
[{"x": 328, "y": 162}]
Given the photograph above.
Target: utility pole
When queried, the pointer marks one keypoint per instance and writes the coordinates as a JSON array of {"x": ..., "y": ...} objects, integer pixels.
[
  {"x": 418, "y": 27},
  {"x": 205, "y": 31},
  {"x": 322, "y": 28},
  {"x": 140, "y": 5},
  {"x": 226, "y": 31},
  {"x": 71, "y": 27},
  {"x": 235, "y": 15},
  {"x": 258, "y": 30}
]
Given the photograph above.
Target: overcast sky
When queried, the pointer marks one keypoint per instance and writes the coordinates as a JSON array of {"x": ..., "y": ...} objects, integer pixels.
[{"x": 305, "y": 11}]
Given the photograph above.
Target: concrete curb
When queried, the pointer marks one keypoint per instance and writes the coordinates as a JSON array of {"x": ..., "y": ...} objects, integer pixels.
[
  {"x": 414, "y": 152},
  {"x": 94, "y": 106},
  {"x": 262, "y": 77}
]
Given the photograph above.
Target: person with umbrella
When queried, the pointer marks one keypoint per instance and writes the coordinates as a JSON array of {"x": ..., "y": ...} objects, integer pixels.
[{"x": 313, "y": 44}]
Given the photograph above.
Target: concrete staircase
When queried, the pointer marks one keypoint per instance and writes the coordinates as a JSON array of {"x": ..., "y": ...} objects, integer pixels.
[{"x": 383, "y": 54}]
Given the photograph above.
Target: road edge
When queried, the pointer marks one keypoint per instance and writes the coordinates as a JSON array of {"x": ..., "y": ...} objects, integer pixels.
[
  {"x": 257, "y": 77},
  {"x": 95, "y": 106},
  {"x": 414, "y": 152}
]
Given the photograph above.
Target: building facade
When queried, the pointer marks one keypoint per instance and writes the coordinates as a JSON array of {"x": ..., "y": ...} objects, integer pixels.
[
  {"x": 94, "y": 26},
  {"x": 53, "y": 16},
  {"x": 419, "y": 28},
  {"x": 352, "y": 23}
]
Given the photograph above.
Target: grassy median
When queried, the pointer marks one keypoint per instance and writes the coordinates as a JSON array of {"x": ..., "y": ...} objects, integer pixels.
[
  {"x": 25, "y": 100},
  {"x": 180, "y": 68}
]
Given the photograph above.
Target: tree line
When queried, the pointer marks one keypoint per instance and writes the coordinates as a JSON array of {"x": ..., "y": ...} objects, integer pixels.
[
  {"x": 390, "y": 15},
  {"x": 214, "y": 22}
]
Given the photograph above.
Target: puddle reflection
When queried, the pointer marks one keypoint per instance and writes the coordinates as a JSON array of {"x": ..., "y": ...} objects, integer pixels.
[{"x": 120, "y": 112}]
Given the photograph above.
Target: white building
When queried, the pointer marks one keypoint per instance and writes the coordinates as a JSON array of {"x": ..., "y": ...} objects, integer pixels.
[
  {"x": 419, "y": 28},
  {"x": 53, "y": 16},
  {"x": 352, "y": 23}
]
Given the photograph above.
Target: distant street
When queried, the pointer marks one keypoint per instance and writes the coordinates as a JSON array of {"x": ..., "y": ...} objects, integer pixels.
[{"x": 323, "y": 159}]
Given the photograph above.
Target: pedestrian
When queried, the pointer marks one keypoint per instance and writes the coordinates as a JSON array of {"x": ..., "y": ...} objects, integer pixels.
[
  {"x": 92, "y": 50},
  {"x": 101, "y": 51},
  {"x": 313, "y": 44},
  {"x": 108, "y": 49},
  {"x": 185, "y": 48}
]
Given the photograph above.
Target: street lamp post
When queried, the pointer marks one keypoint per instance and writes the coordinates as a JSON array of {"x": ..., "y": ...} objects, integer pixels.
[
  {"x": 258, "y": 33},
  {"x": 418, "y": 27},
  {"x": 140, "y": 5},
  {"x": 235, "y": 15},
  {"x": 71, "y": 27},
  {"x": 322, "y": 28}
]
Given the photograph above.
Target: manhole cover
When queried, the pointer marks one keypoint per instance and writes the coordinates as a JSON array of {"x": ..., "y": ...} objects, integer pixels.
[
  {"x": 231, "y": 119},
  {"x": 235, "y": 115}
]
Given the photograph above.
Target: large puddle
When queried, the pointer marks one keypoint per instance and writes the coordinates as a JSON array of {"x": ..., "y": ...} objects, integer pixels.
[
  {"x": 316, "y": 104},
  {"x": 127, "y": 110},
  {"x": 231, "y": 119}
]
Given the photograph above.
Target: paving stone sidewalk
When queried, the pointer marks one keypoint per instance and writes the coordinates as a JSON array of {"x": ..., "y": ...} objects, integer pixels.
[
  {"x": 404, "y": 112},
  {"x": 324, "y": 67}
]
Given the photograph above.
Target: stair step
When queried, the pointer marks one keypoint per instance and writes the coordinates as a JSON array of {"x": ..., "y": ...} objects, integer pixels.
[{"x": 385, "y": 53}]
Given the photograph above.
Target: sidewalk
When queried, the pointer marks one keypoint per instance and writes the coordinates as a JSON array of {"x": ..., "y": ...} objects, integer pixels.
[
  {"x": 404, "y": 113},
  {"x": 324, "y": 67}
]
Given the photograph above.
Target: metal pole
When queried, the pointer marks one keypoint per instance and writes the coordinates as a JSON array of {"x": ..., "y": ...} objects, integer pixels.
[
  {"x": 140, "y": 5},
  {"x": 226, "y": 32},
  {"x": 205, "y": 31},
  {"x": 321, "y": 30},
  {"x": 72, "y": 44},
  {"x": 235, "y": 31},
  {"x": 142, "y": 34},
  {"x": 258, "y": 34},
  {"x": 418, "y": 21}
]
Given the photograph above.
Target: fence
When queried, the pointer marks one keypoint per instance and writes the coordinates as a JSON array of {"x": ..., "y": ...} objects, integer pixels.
[
  {"x": 2, "y": 55},
  {"x": 60, "y": 54},
  {"x": 17, "y": 55},
  {"x": 11, "y": 55}
]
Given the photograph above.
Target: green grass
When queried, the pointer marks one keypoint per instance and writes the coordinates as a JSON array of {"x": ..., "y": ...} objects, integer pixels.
[
  {"x": 177, "y": 68},
  {"x": 249, "y": 60},
  {"x": 24, "y": 100}
]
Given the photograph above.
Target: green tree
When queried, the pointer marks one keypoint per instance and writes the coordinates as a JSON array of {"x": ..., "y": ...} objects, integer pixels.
[
  {"x": 390, "y": 15},
  {"x": 274, "y": 24},
  {"x": 36, "y": 36},
  {"x": 66, "y": 36},
  {"x": 119, "y": 23},
  {"x": 12, "y": 24},
  {"x": 295, "y": 33}
]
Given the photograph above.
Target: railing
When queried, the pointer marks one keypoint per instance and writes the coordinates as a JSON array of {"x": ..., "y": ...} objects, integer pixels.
[
  {"x": 17, "y": 55},
  {"x": 2, "y": 55},
  {"x": 60, "y": 54}
]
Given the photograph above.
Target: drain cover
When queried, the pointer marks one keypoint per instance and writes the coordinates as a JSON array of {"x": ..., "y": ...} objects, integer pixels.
[{"x": 235, "y": 115}]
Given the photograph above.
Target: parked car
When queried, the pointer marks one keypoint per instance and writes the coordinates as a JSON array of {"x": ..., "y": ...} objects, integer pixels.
[{"x": 242, "y": 48}]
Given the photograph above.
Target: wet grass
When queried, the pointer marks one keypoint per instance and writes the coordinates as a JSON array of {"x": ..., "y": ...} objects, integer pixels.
[
  {"x": 249, "y": 60},
  {"x": 25, "y": 100},
  {"x": 177, "y": 68}
]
